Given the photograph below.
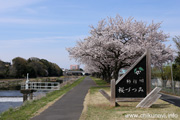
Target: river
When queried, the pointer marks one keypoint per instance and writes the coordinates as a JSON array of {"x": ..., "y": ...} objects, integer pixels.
[
  {"x": 8, "y": 101},
  {"x": 14, "y": 98}
]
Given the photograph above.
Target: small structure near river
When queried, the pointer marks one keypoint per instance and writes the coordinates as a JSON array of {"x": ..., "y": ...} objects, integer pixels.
[{"x": 30, "y": 87}]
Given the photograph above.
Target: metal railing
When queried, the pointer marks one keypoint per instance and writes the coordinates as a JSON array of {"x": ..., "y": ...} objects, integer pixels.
[
  {"x": 168, "y": 86},
  {"x": 42, "y": 86}
]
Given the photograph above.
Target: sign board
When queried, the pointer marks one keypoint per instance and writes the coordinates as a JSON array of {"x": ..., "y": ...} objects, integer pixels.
[{"x": 135, "y": 83}]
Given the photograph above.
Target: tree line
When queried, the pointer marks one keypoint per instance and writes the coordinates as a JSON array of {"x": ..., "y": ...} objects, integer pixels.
[
  {"x": 34, "y": 66},
  {"x": 172, "y": 69}
]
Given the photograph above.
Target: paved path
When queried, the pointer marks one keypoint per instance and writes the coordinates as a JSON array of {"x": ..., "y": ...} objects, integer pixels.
[
  {"x": 70, "y": 106},
  {"x": 171, "y": 99}
]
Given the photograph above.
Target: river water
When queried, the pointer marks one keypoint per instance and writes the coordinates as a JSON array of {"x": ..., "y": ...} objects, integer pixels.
[
  {"x": 8, "y": 101},
  {"x": 14, "y": 98},
  {"x": 9, "y": 93}
]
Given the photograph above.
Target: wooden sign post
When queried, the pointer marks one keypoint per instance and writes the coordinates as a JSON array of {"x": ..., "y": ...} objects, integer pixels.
[
  {"x": 150, "y": 98},
  {"x": 135, "y": 84}
]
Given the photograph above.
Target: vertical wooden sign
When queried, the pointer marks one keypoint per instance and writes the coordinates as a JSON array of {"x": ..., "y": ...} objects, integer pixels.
[{"x": 135, "y": 84}]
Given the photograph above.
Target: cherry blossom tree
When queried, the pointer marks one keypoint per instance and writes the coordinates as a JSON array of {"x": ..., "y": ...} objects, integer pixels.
[{"x": 117, "y": 43}]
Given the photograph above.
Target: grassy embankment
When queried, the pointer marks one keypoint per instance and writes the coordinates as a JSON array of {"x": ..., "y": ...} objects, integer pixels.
[
  {"x": 98, "y": 107},
  {"x": 32, "y": 108}
]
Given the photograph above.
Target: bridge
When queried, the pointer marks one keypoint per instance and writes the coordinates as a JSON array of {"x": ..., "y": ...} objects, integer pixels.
[{"x": 74, "y": 72}]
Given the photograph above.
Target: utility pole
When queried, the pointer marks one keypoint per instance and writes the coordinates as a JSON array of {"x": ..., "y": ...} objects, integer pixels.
[{"x": 172, "y": 77}]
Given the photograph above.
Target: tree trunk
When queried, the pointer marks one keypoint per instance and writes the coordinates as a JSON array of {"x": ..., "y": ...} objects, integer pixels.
[{"x": 116, "y": 74}]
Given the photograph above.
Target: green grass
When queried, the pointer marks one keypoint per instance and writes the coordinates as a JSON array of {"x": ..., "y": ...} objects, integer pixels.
[
  {"x": 97, "y": 107},
  {"x": 29, "y": 108},
  {"x": 99, "y": 81}
]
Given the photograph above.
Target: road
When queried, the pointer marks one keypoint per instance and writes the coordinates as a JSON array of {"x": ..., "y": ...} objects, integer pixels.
[
  {"x": 70, "y": 106},
  {"x": 171, "y": 99}
]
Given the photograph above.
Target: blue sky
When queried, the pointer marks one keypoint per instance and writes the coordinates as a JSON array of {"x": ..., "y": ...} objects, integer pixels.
[{"x": 44, "y": 28}]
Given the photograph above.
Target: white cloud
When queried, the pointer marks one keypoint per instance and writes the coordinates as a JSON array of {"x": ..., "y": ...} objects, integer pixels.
[
  {"x": 26, "y": 21},
  {"x": 50, "y": 48},
  {"x": 60, "y": 56},
  {"x": 45, "y": 40},
  {"x": 36, "y": 21},
  {"x": 19, "y": 21},
  {"x": 6, "y": 5}
]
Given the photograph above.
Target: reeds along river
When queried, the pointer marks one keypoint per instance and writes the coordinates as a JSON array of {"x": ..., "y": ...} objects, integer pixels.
[{"x": 11, "y": 85}]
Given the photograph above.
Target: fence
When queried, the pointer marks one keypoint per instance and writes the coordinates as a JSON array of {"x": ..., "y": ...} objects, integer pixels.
[
  {"x": 168, "y": 86},
  {"x": 42, "y": 86},
  {"x": 49, "y": 85}
]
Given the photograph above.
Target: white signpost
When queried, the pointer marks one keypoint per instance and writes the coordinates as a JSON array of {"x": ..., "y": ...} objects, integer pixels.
[{"x": 27, "y": 81}]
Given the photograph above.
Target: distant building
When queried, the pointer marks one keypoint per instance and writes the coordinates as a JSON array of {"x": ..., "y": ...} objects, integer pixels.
[
  {"x": 7, "y": 64},
  {"x": 74, "y": 67},
  {"x": 63, "y": 69}
]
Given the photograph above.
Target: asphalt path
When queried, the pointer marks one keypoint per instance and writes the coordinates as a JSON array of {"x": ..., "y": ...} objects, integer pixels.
[
  {"x": 171, "y": 99},
  {"x": 70, "y": 106}
]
